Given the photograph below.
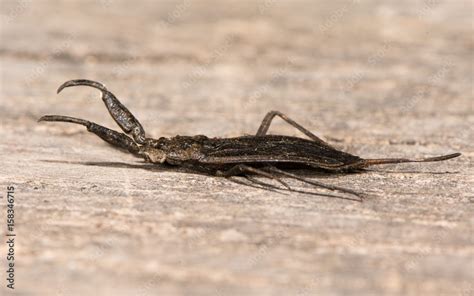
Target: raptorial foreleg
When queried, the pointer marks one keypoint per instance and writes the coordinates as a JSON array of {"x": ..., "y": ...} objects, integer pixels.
[
  {"x": 122, "y": 116},
  {"x": 116, "y": 139}
]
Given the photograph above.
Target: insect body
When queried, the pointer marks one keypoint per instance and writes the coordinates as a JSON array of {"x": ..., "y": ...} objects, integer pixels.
[{"x": 262, "y": 154}]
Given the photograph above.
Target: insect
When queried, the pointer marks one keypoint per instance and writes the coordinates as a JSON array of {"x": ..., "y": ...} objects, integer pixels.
[{"x": 262, "y": 155}]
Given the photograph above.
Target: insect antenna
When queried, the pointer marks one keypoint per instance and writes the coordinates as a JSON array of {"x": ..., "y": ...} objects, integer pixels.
[{"x": 369, "y": 162}]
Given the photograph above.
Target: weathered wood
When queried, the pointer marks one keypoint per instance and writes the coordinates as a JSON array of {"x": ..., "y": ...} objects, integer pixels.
[{"x": 382, "y": 78}]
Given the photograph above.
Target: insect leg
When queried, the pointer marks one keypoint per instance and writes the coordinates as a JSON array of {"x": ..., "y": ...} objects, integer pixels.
[
  {"x": 315, "y": 183},
  {"x": 267, "y": 120},
  {"x": 122, "y": 116},
  {"x": 250, "y": 184},
  {"x": 261, "y": 183},
  {"x": 242, "y": 169},
  {"x": 271, "y": 187},
  {"x": 116, "y": 139}
]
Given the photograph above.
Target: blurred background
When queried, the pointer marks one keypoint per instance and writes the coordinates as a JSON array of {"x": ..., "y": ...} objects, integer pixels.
[{"x": 375, "y": 78}]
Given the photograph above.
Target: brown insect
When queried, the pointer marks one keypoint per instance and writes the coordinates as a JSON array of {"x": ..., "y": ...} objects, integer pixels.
[{"x": 264, "y": 155}]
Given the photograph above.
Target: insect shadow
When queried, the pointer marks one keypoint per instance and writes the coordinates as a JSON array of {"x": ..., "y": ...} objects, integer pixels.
[
  {"x": 165, "y": 168},
  {"x": 264, "y": 155}
]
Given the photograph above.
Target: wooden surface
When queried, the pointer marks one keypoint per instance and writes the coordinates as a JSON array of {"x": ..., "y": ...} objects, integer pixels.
[{"x": 376, "y": 78}]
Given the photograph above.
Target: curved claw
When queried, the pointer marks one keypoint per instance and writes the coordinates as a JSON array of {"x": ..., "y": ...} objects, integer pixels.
[
  {"x": 76, "y": 82},
  {"x": 65, "y": 119},
  {"x": 122, "y": 116}
]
